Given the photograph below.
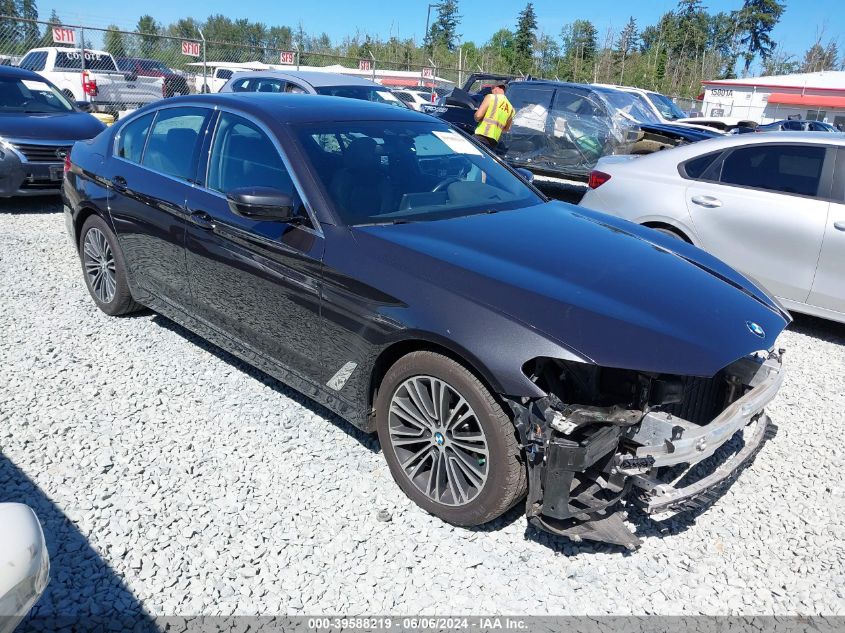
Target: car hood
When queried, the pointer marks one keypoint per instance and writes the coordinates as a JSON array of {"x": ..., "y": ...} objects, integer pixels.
[
  {"x": 618, "y": 294},
  {"x": 63, "y": 126},
  {"x": 686, "y": 132}
]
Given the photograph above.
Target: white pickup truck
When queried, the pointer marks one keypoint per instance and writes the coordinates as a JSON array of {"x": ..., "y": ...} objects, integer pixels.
[{"x": 93, "y": 77}]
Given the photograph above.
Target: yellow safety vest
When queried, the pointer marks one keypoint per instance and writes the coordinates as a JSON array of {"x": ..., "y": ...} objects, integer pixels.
[{"x": 496, "y": 118}]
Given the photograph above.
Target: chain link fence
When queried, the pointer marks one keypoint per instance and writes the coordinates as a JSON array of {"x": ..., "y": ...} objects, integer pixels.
[{"x": 115, "y": 71}]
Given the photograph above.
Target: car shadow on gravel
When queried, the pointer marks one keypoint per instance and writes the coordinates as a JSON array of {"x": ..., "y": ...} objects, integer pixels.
[
  {"x": 367, "y": 440},
  {"x": 84, "y": 592},
  {"x": 822, "y": 329},
  {"x": 30, "y": 206}
]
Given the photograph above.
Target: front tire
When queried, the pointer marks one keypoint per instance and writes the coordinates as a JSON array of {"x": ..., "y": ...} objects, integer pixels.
[
  {"x": 104, "y": 269},
  {"x": 449, "y": 444}
]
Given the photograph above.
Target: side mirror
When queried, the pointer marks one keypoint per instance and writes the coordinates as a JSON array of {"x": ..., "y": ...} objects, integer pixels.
[
  {"x": 262, "y": 203},
  {"x": 526, "y": 175},
  {"x": 85, "y": 106}
]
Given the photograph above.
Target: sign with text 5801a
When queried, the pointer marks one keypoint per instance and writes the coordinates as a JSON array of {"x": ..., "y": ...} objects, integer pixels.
[
  {"x": 63, "y": 35},
  {"x": 428, "y": 72},
  {"x": 365, "y": 64},
  {"x": 287, "y": 57},
  {"x": 192, "y": 49}
]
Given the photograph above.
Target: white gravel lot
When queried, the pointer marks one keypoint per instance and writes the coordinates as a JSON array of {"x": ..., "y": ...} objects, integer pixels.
[{"x": 171, "y": 477}]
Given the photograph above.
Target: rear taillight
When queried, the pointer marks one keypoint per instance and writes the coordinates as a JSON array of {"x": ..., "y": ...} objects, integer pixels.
[
  {"x": 597, "y": 179},
  {"x": 67, "y": 161},
  {"x": 89, "y": 85}
]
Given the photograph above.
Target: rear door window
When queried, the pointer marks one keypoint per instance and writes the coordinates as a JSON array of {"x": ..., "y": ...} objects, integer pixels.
[
  {"x": 133, "y": 137},
  {"x": 72, "y": 60},
  {"x": 174, "y": 140},
  {"x": 34, "y": 61},
  {"x": 793, "y": 169}
]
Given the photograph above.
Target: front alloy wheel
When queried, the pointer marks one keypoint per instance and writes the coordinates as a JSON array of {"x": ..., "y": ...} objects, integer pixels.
[
  {"x": 448, "y": 442},
  {"x": 438, "y": 440}
]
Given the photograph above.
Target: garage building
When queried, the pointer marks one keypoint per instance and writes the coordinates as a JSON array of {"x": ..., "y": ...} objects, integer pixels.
[{"x": 813, "y": 96}]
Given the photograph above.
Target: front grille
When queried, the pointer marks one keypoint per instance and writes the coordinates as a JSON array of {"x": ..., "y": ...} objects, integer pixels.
[
  {"x": 42, "y": 153},
  {"x": 40, "y": 184}
]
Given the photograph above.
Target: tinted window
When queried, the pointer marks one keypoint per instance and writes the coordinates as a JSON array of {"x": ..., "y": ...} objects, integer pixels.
[
  {"x": 126, "y": 65},
  {"x": 173, "y": 141},
  {"x": 521, "y": 97},
  {"x": 93, "y": 61},
  {"x": 365, "y": 93},
  {"x": 130, "y": 143},
  {"x": 696, "y": 167},
  {"x": 35, "y": 61},
  {"x": 31, "y": 96},
  {"x": 394, "y": 171},
  {"x": 784, "y": 168},
  {"x": 242, "y": 155},
  {"x": 224, "y": 73},
  {"x": 406, "y": 97},
  {"x": 293, "y": 88}
]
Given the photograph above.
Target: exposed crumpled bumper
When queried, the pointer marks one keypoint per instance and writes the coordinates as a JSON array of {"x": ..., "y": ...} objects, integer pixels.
[{"x": 577, "y": 480}]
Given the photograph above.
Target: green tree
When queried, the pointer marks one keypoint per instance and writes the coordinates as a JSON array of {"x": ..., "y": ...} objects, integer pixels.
[
  {"x": 10, "y": 30},
  {"x": 523, "y": 41},
  {"x": 500, "y": 51},
  {"x": 29, "y": 30},
  {"x": 626, "y": 44},
  {"x": 444, "y": 31},
  {"x": 113, "y": 42},
  {"x": 580, "y": 45},
  {"x": 149, "y": 30},
  {"x": 780, "y": 63},
  {"x": 755, "y": 21},
  {"x": 820, "y": 57},
  {"x": 47, "y": 38}
]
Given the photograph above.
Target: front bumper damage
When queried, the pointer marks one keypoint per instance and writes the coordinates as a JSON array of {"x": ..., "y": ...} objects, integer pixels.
[{"x": 586, "y": 461}]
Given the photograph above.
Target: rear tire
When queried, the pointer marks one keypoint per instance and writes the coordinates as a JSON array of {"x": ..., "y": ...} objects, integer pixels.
[
  {"x": 104, "y": 269},
  {"x": 458, "y": 458}
]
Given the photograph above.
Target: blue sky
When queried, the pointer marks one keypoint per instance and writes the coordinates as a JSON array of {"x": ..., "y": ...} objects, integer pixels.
[{"x": 796, "y": 32}]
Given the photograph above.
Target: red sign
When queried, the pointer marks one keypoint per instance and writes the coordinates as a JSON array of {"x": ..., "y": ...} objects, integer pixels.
[
  {"x": 191, "y": 48},
  {"x": 365, "y": 64},
  {"x": 287, "y": 57},
  {"x": 428, "y": 72},
  {"x": 62, "y": 35}
]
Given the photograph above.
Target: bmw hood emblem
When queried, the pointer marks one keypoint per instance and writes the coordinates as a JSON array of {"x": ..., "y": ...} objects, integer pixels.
[{"x": 756, "y": 329}]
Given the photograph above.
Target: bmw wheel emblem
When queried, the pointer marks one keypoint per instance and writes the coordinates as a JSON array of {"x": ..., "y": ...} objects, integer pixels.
[{"x": 756, "y": 329}]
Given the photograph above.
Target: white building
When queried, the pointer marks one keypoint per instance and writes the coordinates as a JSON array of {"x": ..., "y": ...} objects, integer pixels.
[{"x": 817, "y": 96}]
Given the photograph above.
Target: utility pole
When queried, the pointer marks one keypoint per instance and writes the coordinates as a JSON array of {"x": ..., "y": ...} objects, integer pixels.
[{"x": 428, "y": 19}]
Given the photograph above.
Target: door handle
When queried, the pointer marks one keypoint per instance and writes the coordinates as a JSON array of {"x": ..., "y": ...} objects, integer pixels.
[
  {"x": 118, "y": 183},
  {"x": 202, "y": 220},
  {"x": 839, "y": 226},
  {"x": 708, "y": 202}
]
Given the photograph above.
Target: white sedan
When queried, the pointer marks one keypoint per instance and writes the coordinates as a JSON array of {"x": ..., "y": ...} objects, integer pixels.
[
  {"x": 770, "y": 205},
  {"x": 24, "y": 563}
]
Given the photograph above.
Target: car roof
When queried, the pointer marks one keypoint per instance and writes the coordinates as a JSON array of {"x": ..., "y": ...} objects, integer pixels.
[
  {"x": 300, "y": 108},
  {"x": 315, "y": 78},
  {"x": 13, "y": 72}
]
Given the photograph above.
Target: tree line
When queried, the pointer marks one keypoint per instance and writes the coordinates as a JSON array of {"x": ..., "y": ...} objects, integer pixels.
[{"x": 686, "y": 45}]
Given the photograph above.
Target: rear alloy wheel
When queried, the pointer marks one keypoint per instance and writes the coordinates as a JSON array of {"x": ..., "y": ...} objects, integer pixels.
[
  {"x": 448, "y": 443},
  {"x": 104, "y": 268}
]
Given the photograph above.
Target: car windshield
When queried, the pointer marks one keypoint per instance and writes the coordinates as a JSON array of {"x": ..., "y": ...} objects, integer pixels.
[
  {"x": 628, "y": 105},
  {"x": 365, "y": 93},
  {"x": 668, "y": 109},
  {"x": 32, "y": 96},
  {"x": 152, "y": 64},
  {"x": 378, "y": 172}
]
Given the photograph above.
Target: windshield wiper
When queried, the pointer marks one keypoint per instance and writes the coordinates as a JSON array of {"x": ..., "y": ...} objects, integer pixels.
[{"x": 388, "y": 222}]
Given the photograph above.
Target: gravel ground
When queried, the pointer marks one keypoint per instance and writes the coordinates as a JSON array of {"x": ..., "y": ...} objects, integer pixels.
[{"x": 171, "y": 477}]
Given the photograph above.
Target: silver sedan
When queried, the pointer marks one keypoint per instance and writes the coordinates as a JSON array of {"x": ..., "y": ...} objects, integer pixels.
[{"x": 770, "y": 205}]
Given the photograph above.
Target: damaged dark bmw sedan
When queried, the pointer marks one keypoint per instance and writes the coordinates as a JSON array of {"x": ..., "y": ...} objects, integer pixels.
[{"x": 505, "y": 347}]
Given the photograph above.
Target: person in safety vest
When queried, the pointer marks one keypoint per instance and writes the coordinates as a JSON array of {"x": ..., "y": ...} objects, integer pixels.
[{"x": 494, "y": 116}]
